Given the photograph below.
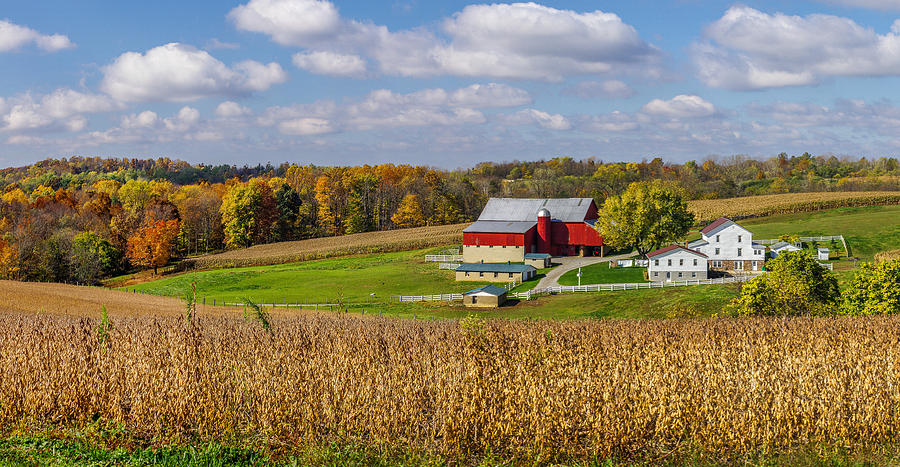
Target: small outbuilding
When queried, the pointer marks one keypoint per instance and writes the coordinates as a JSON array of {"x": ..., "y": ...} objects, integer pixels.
[
  {"x": 495, "y": 272},
  {"x": 489, "y": 296},
  {"x": 538, "y": 260},
  {"x": 824, "y": 254},
  {"x": 780, "y": 247}
]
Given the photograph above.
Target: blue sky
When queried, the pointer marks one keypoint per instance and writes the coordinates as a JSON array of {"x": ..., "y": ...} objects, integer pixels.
[{"x": 447, "y": 83}]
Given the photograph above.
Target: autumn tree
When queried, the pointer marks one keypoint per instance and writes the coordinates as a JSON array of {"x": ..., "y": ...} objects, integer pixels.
[
  {"x": 331, "y": 196},
  {"x": 875, "y": 289},
  {"x": 152, "y": 245},
  {"x": 794, "y": 284},
  {"x": 248, "y": 214},
  {"x": 646, "y": 216},
  {"x": 409, "y": 214}
]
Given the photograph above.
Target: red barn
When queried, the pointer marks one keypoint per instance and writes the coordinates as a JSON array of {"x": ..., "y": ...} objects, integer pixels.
[{"x": 509, "y": 228}]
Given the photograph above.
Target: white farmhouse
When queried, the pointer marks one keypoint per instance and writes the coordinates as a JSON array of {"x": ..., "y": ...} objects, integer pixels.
[
  {"x": 730, "y": 247},
  {"x": 676, "y": 263}
]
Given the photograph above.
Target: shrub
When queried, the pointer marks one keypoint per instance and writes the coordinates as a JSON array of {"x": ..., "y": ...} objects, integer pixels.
[
  {"x": 875, "y": 289},
  {"x": 796, "y": 284}
]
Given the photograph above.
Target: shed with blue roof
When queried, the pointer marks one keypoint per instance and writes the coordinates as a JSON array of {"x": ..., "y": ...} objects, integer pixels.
[
  {"x": 495, "y": 272},
  {"x": 489, "y": 296}
]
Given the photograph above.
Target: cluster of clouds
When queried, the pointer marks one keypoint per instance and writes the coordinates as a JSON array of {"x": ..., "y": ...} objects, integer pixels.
[
  {"x": 596, "y": 53},
  {"x": 500, "y": 41}
]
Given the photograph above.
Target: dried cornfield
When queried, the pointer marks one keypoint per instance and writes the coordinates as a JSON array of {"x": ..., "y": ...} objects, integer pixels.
[
  {"x": 316, "y": 248},
  {"x": 766, "y": 205},
  {"x": 522, "y": 390},
  {"x": 887, "y": 255}
]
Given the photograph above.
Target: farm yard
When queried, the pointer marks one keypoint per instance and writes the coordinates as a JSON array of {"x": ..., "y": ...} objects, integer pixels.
[{"x": 353, "y": 278}]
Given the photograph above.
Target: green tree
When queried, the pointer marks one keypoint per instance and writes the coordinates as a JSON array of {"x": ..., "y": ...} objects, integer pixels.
[
  {"x": 646, "y": 216},
  {"x": 92, "y": 257},
  {"x": 287, "y": 204},
  {"x": 795, "y": 284},
  {"x": 361, "y": 204},
  {"x": 875, "y": 289}
]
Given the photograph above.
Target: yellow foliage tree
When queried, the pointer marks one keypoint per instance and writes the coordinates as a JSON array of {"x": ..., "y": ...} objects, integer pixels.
[{"x": 409, "y": 213}]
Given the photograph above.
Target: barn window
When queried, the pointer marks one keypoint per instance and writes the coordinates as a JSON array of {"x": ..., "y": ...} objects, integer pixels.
[
  {"x": 504, "y": 246},
  {"x": 510, "y": 275},
  {"x": 467, "y": 274},
  {"x": 495, "y": 274},
  {"x": 480, "y": 274}
]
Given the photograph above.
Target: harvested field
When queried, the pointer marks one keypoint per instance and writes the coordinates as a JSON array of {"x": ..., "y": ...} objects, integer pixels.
[
  {"x": 525, "y": 392},
  {"x": 887, "y": 255},
  {"x": 707, "y": 210},
  {"x": 316, "y": 248},
  {"x": 64, "y": 299}
]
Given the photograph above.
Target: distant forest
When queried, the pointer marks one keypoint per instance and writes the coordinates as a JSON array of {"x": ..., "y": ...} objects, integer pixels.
[{"x": 81, "y": 219}]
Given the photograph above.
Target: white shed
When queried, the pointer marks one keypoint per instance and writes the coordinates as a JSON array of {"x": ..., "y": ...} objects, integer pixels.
[
  {"x": 780, "y": 247},
  {"x": 824, "y": 254}
]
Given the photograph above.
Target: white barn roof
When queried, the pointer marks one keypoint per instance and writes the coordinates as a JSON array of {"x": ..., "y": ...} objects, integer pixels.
[{"x": 526, "y": 209}]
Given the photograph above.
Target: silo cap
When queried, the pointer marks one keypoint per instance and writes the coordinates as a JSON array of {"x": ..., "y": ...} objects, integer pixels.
[{"x": 544, "y": 212}]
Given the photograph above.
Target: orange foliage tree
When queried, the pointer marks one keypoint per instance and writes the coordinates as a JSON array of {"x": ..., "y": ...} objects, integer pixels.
[{"x": 152, "y": 244}]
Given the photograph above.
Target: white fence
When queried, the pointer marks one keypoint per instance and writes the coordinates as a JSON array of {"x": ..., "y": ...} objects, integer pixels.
[
  {"x": 443, "y": 258},
  {"x": 448, "y": 266},
  {"x": 628, "y": 286},
  {"x": 449, "y": 297}
]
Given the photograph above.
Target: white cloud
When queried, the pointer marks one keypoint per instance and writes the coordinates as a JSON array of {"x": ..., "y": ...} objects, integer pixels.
[
  {"x": 145, "y": 119},
  {"x": 490, "y": 95},
  {"x": 306, "y": 126},
  {"x": 61, "y": 109},
  {"x": 288, "y": 22},
  {"x": 512, "y": 41},
  {"x": 749, "y": 49},
  {"x": 541, "y": 118},
  {"x": 330, "y": 63},
  {"x": 184, "y": 120},
  {"x": 681, "y": 106},
  {"x": 14, "y": 37},
  {"x": 612, "y": 89},
  {"x": 178, "y": 72},
  {"x": 230, "y": 109}
]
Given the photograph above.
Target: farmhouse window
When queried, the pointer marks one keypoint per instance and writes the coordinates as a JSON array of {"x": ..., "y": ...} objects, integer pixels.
[
  {"x": 679, "y": 274},
  {"x": 693, "y": 274},
  {"x": 739, "y": 252},
  {"x": 717, "y": 251},
  {"x": 655, "y": 274},
  {"x": 656, "y": 262},
  {"x": 738, "y": 265},
  {"x": 717, "y": 239},
  {"x": 670, "y": 262},
  {"x": 739, "y": 239},
  {"x": 681, "y": 262},
  {"x": 695, "y": 262}
]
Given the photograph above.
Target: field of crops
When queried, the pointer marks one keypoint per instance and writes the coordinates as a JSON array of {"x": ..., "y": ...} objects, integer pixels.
[
  {"x": 787, "y": 203},
  {"x": 525, "y": 392},
  {"x": 302, "y": 250}
]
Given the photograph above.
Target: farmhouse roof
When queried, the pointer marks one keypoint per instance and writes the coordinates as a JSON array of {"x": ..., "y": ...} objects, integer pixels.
[
  {"x": 537, "y": 255},
  {"x": 526, "y": 209},
  {"x": 716, "y": 223},
  {"x": 487, "y": 290},
  {"x": 697, "y": 243},
  {"x": 494, "y": 267},
  {"x": 671, "y": 248},
  {"x": 782, "y": 244},
  {"x": 501, "y": 226}
]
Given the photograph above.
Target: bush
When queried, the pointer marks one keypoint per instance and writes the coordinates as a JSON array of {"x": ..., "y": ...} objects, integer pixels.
[
  {"x": 875, "y": 289},
  {"x": 796, "y": 284}
]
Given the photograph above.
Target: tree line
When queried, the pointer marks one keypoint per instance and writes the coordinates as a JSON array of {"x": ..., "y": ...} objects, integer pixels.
[{"x": 81, "y": 219}]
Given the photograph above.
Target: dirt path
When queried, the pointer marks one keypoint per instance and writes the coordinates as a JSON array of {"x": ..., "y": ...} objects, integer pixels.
[{"x": 568, "y": 263}]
